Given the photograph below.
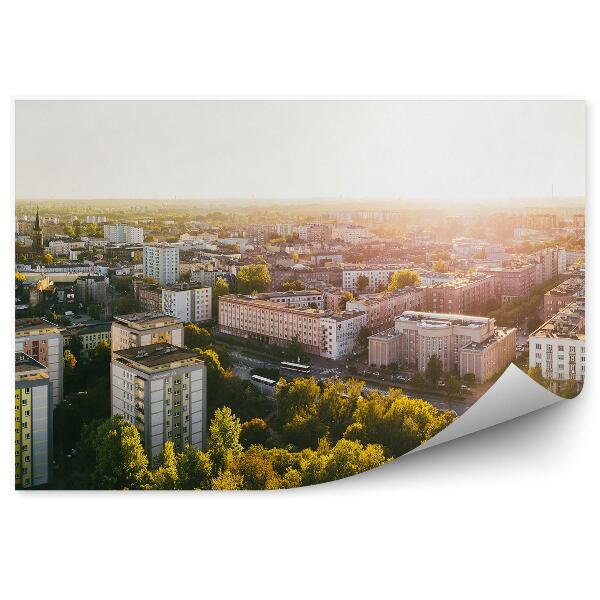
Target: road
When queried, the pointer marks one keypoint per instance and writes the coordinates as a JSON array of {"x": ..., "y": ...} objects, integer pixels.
[{"x": 243, "y": 365}]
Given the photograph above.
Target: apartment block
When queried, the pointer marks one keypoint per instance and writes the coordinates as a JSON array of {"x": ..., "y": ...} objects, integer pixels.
[
  {"x": 378, "y": 277},
  {"x": 124, "y": 234},
  {"x": 91, "y": 288},
  {"x": 460, "y": 295},
  {"x": 324, "y": 333},
  {"x": 161, "y": 389},
  {"x": 33, "y": 422},
  {"x": 161, "y": 261},
  {"x": 187, "y": 302},
  {"x": 42, "y": 340},
  {"x": 562, "y": 295},
  {"x": 558, "y": 346},
  {"x": 89, "y": 335},
  {"x": 464, "y": 344},
  {"x": 144, "y": 329},
  {"x": 295, "y": 298},
  {"x": 512, "y": 281},
  {"x": 381, "y": 309}
]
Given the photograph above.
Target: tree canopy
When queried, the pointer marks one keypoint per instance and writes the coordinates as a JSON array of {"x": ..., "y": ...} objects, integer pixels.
[{"x": 403, "y": 278}]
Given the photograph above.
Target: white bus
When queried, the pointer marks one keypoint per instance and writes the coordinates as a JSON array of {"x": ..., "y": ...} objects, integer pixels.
[
  {"x": 264, "y": 384},
  {"x": 290, "y": 366}
]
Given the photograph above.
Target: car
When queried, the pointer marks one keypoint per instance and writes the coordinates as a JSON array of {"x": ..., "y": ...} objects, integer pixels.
[{"x": 465, "y": 388}]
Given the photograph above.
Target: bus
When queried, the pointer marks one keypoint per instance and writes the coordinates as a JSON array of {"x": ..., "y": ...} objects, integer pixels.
[
  {"x": 290, "y": 366},
  {"x": 264, "y": 384}
]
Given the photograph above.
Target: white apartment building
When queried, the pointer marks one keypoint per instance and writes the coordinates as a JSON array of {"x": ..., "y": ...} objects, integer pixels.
[
  {"x": 378, "y": 276},
  {"x": 161, "y": 389},
  {"x": 295, "y": 298},
  {"x": 161, "y": 261},
  {"x": 120, "y": 233},
  {"x": 187, "y": 302},
  {"x": 143, "y": 329},
  {"x": 95, "y": 219},
  {"x": 352, "y": 234},
  {"x": 208, "y": 276},
  {"x": 558, "y": 346},
  {"x": 42, "y": 340},
  {"x": 320, "y": 332}
]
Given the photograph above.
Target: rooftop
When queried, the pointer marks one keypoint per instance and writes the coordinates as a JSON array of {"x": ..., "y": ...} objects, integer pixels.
[
  {"x": 84, "y": 329},
  {"x": 147, "y": 320},
  {"x": 157, "y": 355},
  {"x": 27, "y": 368},
  {"x": 569, "y": 323},
  {"x": 569, "y": 287},
  {"x": 433, "y": 319},
  {"x": 385, "y": 335},
  {"x": 499, "y": 334},
  {"x": 34, "y": 326}
]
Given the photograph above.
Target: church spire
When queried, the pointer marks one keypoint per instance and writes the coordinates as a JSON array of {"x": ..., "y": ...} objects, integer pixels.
[{"x": 37, "y": 218}]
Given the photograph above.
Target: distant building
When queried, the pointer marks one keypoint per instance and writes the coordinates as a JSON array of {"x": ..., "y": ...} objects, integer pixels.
[
  {"x": 209, "y": 276},
  {"x": 352, "y": 234},
  {"x": 464, "y": 344},
  {"x": 558, "y": 346},
  {"x": 383, "y": 308},
  {"x": 513, "y": 281},
  {"x": 124, "y": 234},
  {"x": 161, "y": 389},
  {"x": 378, "y": 277},
  {"x": 95, "y": 219},
  {"x": 161, "y": 262},
  {"x": 89, "y": 335},
  {"x": 91, "y": 289},
  {"x": 295, "y": 298},
  {"x": 33, "y": 422},
  {"x": 42, "y": 341},
  {"x": 37, "y": 235},
  {"x": 187, "y": 302},
  {"x": 143, "y": 329},
  {"x": 460, "y": 295},
  {"x": 562, "y": 295}
]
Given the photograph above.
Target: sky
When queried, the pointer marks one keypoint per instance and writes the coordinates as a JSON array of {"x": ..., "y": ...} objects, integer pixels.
[{"x": 434, "y": 150}]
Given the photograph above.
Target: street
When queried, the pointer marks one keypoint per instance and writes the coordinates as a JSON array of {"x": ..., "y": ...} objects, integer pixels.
[{"x": 243, "y": 365}]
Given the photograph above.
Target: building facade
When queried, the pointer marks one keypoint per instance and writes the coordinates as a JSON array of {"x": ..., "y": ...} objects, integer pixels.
[
  {"x": 562, "y": 295},
  {"x": 187, "y": 302},
  {"x": 161, "y": 389},
  {"x": 90, "y": 336},
  {"x": 460, "y": 295},
  {"x": 383, "y": 308},
  {"x": 558, "y": 346},
  {"x": 124, "y": 234},
  {"x": 161, "y": 262},
  {"x": 320, "y": 332},
  {"x": 464, "y": 344},
  {"x": 513, "y": 281},
  {"x": 33, "y": 422},
  {"x": 42, "y": 340}
]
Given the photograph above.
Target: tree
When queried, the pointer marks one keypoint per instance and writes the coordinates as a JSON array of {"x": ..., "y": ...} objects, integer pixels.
[
  {"x": 194, "y": 469},
  {"x": 434, "y": 369},
  {"x": 452, "y": 385},
  {"x": 164, "y": 477},
  {"x": 113, "y": 456},
  {"x": 533, "y": 323},
  {"x": 19, "y": 278},
  {"x": 291, "y": 285},
  {"x": 150, "y": 280},
  {"x": 536, "y": 374},
  {"x": 570, "y": 389},
  {"x": 254, "y": 431},
  {"x": 362, "y": 283},
  {"x": 196, "y": 337},
  {"x": 294, "y": 351},
  {"x": 403, "y": 278},
  {"x": 69, "y": 360},
  {"x": 295, "y": 257},
  {"x": 256, "y": 470},
  {"x": 417, "y": 379},
  {"x": 347, "y": 296},
  {"x": 253, "y": 278},
  {"x": 226, "y": 480},
  {"x": 224, "y": 438},
  {"x": 94, "y": 310},
  {"x": 363, "y": 336},
  {"x": 221, "y": 288},
  {"x": 47, "y": 259},
  {"x": 439, "y": 266},
  {"x": 469, "y": 378}
]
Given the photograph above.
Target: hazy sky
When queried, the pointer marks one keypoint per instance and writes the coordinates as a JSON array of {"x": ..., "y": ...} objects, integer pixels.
[{"x": 308, "y": 149}]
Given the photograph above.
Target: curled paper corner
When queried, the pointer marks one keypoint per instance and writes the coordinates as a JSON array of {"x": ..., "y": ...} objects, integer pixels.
[{"x": 513, "y": 395}]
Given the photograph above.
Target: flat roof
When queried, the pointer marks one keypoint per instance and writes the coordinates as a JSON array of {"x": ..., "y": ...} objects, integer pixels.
[
  {"x": 156, "y": 355},
  {"x": 84, "y": 328},
  {"x": 146, "y": 320},
  {"x": 569, "y": 323},
  {"x": 26, "y": 326},
  {"x": 24, "y": 362},
  {"x": 500, "y": 333},
  {"x": 465, "y": 320}
]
